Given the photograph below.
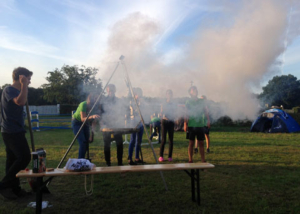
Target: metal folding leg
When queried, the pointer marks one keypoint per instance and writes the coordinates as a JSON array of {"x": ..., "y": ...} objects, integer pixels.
[
  {"x": 195, "y": 180},
  {"x": 193, "y": 184},
  {"x": 198, "y": 185},
  {"x": 40, "y": 189},
  {"x": 39, "y": 195}
]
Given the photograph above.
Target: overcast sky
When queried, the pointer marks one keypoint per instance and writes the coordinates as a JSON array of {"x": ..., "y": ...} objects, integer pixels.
[{"x": 44, "y": 35}]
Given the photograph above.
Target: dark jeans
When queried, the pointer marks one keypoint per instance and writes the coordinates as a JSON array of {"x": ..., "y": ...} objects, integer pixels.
[
  {"x": 135, "y": 142},
  {"x": 167, "y": 127},
  {"x": 82, "y": 138},
  {"x": 107, "y": 144},
  {"x": 17, "y": 158}
]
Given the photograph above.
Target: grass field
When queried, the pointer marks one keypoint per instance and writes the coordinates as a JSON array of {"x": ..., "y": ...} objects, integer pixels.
[{"x": 254, "y": 173}]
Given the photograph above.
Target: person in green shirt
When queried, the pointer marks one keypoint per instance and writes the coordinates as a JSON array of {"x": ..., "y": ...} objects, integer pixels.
[
  {"x": 77, "y": 120},
  {"x": 206, "y": 133},
  {"x": 196, "y": 119}
]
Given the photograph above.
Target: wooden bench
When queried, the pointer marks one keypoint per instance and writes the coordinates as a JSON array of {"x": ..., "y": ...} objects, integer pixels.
[{"x": 193, "y": 174}]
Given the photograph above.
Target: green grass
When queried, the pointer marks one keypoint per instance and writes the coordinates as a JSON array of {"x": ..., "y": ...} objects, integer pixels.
[{"x": 254, "y": 173}]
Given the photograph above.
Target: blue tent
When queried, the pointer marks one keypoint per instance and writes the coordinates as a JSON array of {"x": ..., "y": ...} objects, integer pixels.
[{"x": 275, "y": 121}]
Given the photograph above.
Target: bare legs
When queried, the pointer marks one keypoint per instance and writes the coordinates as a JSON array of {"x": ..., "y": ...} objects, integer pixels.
[
  {"x": 191, "y": 150},
  {"x": 207, "y": 140}
]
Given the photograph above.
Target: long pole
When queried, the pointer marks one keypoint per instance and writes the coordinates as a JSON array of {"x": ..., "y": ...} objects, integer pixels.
[
  {"x": 142, "y": 119},
  {"x": 84, "y": 122},
  {"x": 33, "y": 180},
  {"x": 86, "y": 119},
  {"x": 30, "y": 128}
]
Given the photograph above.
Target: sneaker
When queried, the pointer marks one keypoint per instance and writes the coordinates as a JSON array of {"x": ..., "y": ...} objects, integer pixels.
[
  {"x": 160, "y": 159},
  {"x": 139, "y": 161},
  {"x": 8, "y": 194},
  {"x": 196, "y": 150},
  {"x": 207, "y": 150},
  {"x": 190, "y": 161},
  {"x": 170, "y": 159},
  {"x": 130, "y": 162},
  {"x": 108, "y": 164}
]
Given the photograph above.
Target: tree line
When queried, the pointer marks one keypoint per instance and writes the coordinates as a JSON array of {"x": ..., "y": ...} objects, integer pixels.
[
  {"x": 68, "y": 85},
  {"x": 71, "y": 85}
]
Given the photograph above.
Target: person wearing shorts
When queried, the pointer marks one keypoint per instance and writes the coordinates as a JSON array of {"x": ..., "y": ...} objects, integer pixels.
[
  {"x": 196, "y": 119},
  {"x": 206, "y": 133}
]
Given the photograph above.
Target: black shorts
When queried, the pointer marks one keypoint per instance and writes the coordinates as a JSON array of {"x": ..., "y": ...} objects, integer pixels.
[
  {"x": 206, "y": 130},
  {"x": 196, "y": 131}
]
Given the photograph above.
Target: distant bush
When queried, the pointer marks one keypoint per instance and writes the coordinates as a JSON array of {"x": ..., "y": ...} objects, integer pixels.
[
  {"x": 67, "y": 108},
  {"x": 227, "y": 121},
  {"x": 224, "y": 121},
  {"x": 296, "y": 109},
  {"x": 245, "y": 122},
  {"x": 296, "y": 116}
]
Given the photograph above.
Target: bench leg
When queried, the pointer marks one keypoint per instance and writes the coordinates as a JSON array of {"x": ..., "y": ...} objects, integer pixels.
[
  {"x": 198, "y": 186},
  {"x": 39, "y": 195},
  {"x": 195, "y": 178},
  {"x": 193, "y": 184}
]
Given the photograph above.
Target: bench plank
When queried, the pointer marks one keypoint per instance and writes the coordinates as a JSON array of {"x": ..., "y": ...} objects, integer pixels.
[{"x": 119, "y": 169}]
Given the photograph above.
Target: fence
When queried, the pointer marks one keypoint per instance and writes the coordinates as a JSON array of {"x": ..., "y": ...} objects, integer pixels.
[
  {"x": 48, "y": 109},
  {"x": 49, "y": 121}
]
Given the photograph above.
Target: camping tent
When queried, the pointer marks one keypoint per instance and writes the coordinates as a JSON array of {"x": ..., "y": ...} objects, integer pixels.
[{"x": 275, "y": 121}]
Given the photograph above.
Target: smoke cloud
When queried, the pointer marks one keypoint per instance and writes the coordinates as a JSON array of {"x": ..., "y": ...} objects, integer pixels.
[{"x": 228, "y": 56}]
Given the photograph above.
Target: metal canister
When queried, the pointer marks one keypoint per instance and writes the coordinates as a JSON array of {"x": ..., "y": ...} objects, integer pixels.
[
  {"x": 35, "y": 162},
  {"x": 42, "y": 160}
]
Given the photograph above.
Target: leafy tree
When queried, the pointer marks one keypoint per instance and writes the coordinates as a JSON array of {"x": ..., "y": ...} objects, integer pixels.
[
  {"x": 36, "y": 97},
  {"x": 5, "y": 86},
  {"x": 1, "y": 89},
  {"x": 282, "y": 90},
  {"x": 71, "y": 84}
]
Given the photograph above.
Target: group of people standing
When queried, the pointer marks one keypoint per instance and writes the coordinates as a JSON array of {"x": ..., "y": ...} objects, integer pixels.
[{"x": 111, "y": 111}]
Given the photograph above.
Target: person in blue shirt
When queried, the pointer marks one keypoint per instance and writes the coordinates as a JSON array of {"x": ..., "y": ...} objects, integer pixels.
[{"x": 13, "y": 99}]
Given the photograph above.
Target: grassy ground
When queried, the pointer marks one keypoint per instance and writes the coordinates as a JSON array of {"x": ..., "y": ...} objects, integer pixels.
[{"x": 254, "y": 173}]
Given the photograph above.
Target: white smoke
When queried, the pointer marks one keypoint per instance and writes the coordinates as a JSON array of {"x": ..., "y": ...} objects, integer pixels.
[{"x": 224, "y": 59}]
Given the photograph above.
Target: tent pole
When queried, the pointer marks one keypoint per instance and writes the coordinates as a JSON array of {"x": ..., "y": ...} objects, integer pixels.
[
  {"x": 142, "y": 120},
  {"x": 84, "y": 122}
]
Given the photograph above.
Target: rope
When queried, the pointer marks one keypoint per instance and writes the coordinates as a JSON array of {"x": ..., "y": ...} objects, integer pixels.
[{"x": 90, "y": 191}]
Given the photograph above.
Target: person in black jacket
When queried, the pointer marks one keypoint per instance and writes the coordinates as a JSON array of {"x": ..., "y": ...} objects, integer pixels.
[{"x": 113, "y": 112}]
